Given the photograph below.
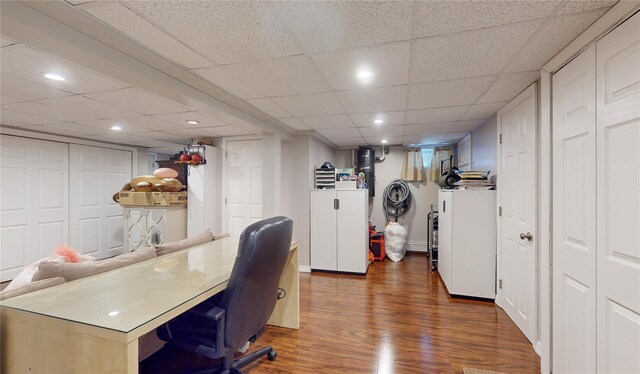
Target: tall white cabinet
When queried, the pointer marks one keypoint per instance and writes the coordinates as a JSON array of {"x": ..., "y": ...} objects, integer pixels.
[
  {"x": 467, "y": 242},
  {"x": 339, "y": 230}
]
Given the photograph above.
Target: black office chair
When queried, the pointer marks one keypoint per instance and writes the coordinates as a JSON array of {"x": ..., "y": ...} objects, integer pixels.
[{"x": 221, "y": 325}]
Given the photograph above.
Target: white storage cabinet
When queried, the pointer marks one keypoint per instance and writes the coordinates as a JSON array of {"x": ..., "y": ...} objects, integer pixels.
[
  {"x": 467, "y": 242},
  {"x": 340, "y": 230}
]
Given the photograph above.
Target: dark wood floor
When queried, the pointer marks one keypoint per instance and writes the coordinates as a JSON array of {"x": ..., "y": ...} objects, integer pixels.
[{"x": 397, "y": 319}]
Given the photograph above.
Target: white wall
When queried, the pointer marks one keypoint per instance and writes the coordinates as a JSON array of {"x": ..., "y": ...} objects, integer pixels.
[
  {"x": 485, "y": 146},
  {"x": 287, "y": 179}
]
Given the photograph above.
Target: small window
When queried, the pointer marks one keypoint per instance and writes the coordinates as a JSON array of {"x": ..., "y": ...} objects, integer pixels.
[{"x": 427, "y": 155}]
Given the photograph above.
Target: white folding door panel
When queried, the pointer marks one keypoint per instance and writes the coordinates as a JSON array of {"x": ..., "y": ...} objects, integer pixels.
[
  {"x": 96, "y": 223},
  {"x": 618, "y": 191},
  {"x": 244, "y": 184},
  {"x": 323, "y": 221},
  {"x": 574, "y": 216},
  {"x": 33, "y": 203},
  {"x": 518, "y": 199},
  {"x": 353, "y": 231}
]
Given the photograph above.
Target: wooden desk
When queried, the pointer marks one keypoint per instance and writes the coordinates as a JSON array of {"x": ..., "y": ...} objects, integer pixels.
[{"x": 92, "y": 325}]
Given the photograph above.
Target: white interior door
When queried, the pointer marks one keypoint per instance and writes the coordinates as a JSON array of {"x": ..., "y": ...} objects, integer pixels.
[
  {"x": 517, "y": 187},
  {"x": 33, "y": 203},
  {"x": 574, "y": 216},
  {"x": 96, "y": 222},
  {"x": 244, "y": 184},
  {"x": 618, "y": 190},
  {"x": 353, "y": 231}
]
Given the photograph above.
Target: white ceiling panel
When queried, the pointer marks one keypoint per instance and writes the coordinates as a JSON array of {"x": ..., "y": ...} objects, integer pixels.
[
  {"x": 224, "y": 32},
  {"x": 87, "y": 106},
  {"x": 583, "y": 6},
  {"x": 388, "y": 118},
  {"x": 270, "y": 108},
  {"x": 227, "y": 81},
  {"x": 382, "y": 131},
  {"x": 42, "y": 110},
  {"x": 328, "y": 122},
  {"x": 226, "y": 130},
  {"x": 348, "y": 142},
  {"x": 310, "y": 105},
  {"x": 483, "y": 111},
  {"x": 377, "y": 140},
  {"x": 281, "y": 77},
  {"x": 389, "y": 64},
  {"x": 129, "y": 23},
  {"x": 27, "y": 63},
  {"x": 138, "y": 101},
  {"x": 323, "y": 26},
  {"x": 551, "y": 38},
  {"x": 159, "y": 135},
  {"x": 428, "y": 129},
  {"x": 6, "y": 42},
  {"x": 17, "y": 90},
  {"x": 295, "y": 124},
  {"x": 508, "y": 86},
  {"x": 340, "y": 133},
  {"x": 134, "y": 124},
  {"x": 448, "y": 93},
  {"x": 467, "y": 125},
  {"x": 374, "y": 99},
  {"x": 427, "y": 139},
  {"x": 436, "y": 115},
  {"x": 445, "y": 17},
  {"x": 469, "y": 54},
  {"x": 9, "y": 117},
  {"x": 182, "y": 118},
  {"x": 70, "y": 128},
  {"x": 455, "y": 136}
]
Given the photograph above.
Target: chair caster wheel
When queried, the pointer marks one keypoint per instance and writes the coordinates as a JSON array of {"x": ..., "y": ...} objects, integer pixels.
[{"x": 272, "y": 355}]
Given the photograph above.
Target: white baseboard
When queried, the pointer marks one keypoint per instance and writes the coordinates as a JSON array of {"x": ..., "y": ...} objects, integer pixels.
[
  {"x": 417, "y": 246},
  {"x": 537, "y": 347},
  {"x": 304, "y": 268}
]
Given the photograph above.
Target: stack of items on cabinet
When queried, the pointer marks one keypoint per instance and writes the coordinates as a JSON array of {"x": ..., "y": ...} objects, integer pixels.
[{"x": 475, "y": 180}]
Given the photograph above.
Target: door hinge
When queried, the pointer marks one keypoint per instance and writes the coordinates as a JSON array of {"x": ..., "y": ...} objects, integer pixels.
[
  {"x": 500, "y": 211},
  {"x": 225, "y": 201},
  {"x": 500, "y": 140},
  {"x": 500, "y": 283}
]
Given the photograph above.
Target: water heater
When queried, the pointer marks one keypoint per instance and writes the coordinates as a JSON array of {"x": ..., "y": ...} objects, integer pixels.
[{"x": 366, "y": 165}]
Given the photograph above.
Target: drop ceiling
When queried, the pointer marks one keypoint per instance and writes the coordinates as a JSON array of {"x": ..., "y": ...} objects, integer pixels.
[{"x": 440, "y": 68}]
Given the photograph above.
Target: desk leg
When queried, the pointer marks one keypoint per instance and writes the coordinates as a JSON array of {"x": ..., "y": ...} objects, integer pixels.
[
  {"x": 287, "y": 310},
  {"x": 38, "y": 344}
]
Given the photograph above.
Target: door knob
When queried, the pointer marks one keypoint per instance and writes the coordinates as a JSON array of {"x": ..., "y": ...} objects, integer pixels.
[{"x": 528, "y": 236}]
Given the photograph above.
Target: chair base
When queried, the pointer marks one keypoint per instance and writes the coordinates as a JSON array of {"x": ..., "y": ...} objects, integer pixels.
[{"x": 247, "y": 359}]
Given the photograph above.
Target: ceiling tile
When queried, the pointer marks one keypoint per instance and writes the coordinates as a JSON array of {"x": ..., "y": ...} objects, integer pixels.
[
  {"x": 469, "y": 54},
  {"x": 42, "y": 110},
  {"x": 310, "y": 105},
  {"x": 509, "y": 86},
  {"x": 6, "y": 42},
  {"x": 182, "y": 118},
  {"x": 281, "y": 77},
  {"x": 455, "y": 136},
  {"x": 450, "y": 114},
  {"x": 382, "y": 131},
  {"x": 467, "y": 125},
  {"x": 87, "y": 106},
  {"x": 377, "y": 140},
  {"x": 295, "y": 124},
  {"x": 427, "y": 140},
  {"x": 374, "y": 99},
  {"x": 18, "y": 124},
  {"x": 227, "y": 130},
  {"x": 135, "y": 124},
  {"x": 27, "y": 63},
  {"x": 159, "y": 135},
  {"x": 583, "y": 6},
  {"x": 388, "y": 118},
  {"x": 348, "y": 142},
  {"x": 227, "y": 81},
  {"x": 340, "y": 133},
  {"x": 225, "y": 32},
  {"x": 17, "y": 90},
  {"x": 388, "y": 63},
  {"x": 328, "y": 122},
  {"x": 138, "y": 101},
  {"x": 69, "y": 128},
  {"x": 8, "y": 116},
  {"x": 431, "y": 128},
  {"x": 551, "y": 38},
  {"x": 270, "y": 108},
  {"x": 129, "y": 23},
  {"x": 483, "y": 111},
  {"x": 446, "y": 17},
  {"x": 323, "y": 26},
  {"x": 448, "y": 93}
]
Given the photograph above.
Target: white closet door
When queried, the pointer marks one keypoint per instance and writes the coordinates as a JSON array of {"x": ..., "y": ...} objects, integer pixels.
[
  {"x": 353, "y": 231},
  {"x": 574, "y": 216},
  {"x": 518, "y": 198},
  {"x": 96, "y": 223},
  {"x": 322, "y": 219},
  {"x": 244, "y": 184},
  {"x": 618, "y": 190},
  {"x": 33, "y": 204}
]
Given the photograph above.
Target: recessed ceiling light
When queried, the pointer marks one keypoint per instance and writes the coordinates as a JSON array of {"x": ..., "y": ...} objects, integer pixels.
[
  {"x": 192, "y": 122},
  {"x": 114, "y": 313},
  {"x": 378, "y": 121},
  {"x": 54, "y": 77},
  {"x": 365, "y": 74},
  {"x": 115, "y": 128},
  {"x": 384, "y": 141}
]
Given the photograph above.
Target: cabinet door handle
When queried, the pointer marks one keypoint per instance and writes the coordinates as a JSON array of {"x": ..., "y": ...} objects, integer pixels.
[
  {"x": 336, "y": 204},
  {"x": 444, "y": 206}
]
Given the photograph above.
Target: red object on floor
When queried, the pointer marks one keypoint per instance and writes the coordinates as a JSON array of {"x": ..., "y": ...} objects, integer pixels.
[{"x": 376, "y": 246}]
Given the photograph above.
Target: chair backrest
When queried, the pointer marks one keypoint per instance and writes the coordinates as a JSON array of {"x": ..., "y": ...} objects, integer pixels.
[{"x": 251, "y": 293}]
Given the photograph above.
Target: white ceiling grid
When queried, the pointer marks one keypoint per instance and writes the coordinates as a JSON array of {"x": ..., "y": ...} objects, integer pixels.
[{"x": 440, "y": 68}]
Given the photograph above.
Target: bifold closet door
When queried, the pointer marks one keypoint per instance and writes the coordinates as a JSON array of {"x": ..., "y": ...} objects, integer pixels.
[
  {"x": 95, "y": 220},
  {"x": 618, "y": 202},
  {"x": 574, "y": 215}
]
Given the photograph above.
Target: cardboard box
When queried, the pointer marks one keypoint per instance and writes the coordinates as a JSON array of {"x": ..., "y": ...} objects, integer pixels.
[
  {"x": 128, "y": 198},
  {"x": 345, "y": 185}
]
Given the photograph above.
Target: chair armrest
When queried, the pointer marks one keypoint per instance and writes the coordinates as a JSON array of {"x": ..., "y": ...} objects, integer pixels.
[{"x": 216, "y": 314}]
